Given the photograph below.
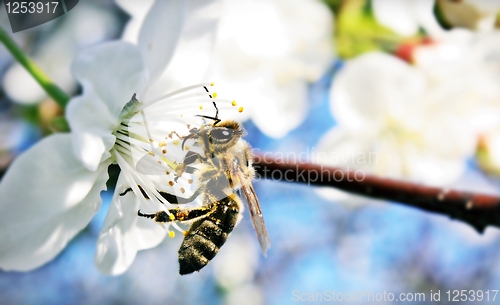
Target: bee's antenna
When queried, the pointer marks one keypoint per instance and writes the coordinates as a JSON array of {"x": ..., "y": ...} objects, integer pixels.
[{"x": 216, "y": 118}]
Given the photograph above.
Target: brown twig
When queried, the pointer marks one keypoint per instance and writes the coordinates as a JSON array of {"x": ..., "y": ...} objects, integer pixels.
[{"x": 478, "y": 210}]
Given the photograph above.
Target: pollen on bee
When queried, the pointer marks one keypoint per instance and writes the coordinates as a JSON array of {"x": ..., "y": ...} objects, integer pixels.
[
  {"x": 185, "y": 232},
  {"x": 240, "y": 109},
  {"x": 171, "y": 216},
  {"x": 233, "y": 103},
  {"x": 161, "y": 144},
  {"x": 214, "y": 95},
  {"x": 151, "y": 153},
  {"x": 182, "y": 190},
  {"x": 201, "y": 107},
  {"x": 171, "y": 234},
  {"x": 171, "y": 183}
]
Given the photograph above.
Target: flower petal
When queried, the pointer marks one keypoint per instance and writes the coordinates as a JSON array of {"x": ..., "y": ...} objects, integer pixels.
[
  {"x": 124, "y": 233},
  {"x": 110, "y": 74},
  {"x": 159, "y": 34},
  {"x": 373, "y": 88},
  {"x": 48, "y": 196},
  {"x": 406, "y": 16},
  {"x": 193, "y": 53}
]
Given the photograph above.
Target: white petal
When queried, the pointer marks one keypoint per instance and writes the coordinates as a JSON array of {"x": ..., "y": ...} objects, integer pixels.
[
  {"x": 159, "y": 34},
  {"x": 124, "y": 233},
  {"x": 279, "y": 109},
  {"x": 114, "y": 71},
  {"x": 110, "y": 74},
  {"x": 396, "y": 15},
  {"x": 374, "y": 88},
  {"x": 48, "y": 196},
  {"x": 193, "y": 53}
]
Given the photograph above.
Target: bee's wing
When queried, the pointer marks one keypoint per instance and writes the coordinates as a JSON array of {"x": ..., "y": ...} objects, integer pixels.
[{"x": 257, "y": 218}]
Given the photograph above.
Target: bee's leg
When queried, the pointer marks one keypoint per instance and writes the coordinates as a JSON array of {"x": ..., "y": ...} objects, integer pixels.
[
  {"x": 171, "y": 198},
  {"x": 190, "y": 158},
  {"x": 130, "y": 190},
  {"x": 179, "y": 214}
]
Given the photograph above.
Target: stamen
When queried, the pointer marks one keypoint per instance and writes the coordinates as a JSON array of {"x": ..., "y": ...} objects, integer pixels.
[{"x": 177, "y": 92}]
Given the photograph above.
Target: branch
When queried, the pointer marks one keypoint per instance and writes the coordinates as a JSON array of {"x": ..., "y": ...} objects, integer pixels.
[{"x": 478, "y": 210}]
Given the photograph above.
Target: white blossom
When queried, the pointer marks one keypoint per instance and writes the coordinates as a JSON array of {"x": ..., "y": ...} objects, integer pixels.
[
  {"x": 394, "y": 122},
  {"x": 273, "y": 47},
  {"x": 406, "y": 17},
  {"x": 52, "y": 191}
]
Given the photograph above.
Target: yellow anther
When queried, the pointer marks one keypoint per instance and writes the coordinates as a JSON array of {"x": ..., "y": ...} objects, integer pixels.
[
  {"x": 161, "y": 144},
  {"x": 233, "y": 103},
  {"x": 186, "y": 147},
  {"x": 212, "y": 84},
  {"x": 185, "y": 232},
  {"x": 214, "y": 95},
  {"x": 201, "y": 107},
  {"x": 240, "y": 109},
  {"x": 171, "y": 216},
  {"x": 171, "y": 234},
  {"x": 151, "y": 153},
  {"x": 176, "y": 142}
]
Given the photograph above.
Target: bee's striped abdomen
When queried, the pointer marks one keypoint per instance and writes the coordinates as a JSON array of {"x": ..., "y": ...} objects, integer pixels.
[{"x": 207, "y": 235}]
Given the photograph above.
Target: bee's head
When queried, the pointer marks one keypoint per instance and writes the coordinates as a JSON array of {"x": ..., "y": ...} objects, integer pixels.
[{"x": 224, "y": 135}]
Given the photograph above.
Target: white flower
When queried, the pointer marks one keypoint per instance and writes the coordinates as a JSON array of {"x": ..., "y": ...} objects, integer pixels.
[
  {"x": 405, "y": 17},
  {"x": 274, "y": 47},
  {"x": 51, "y": 192},
  {"x": 393, "y": 122},
  {"x": 54, "y": 56}
]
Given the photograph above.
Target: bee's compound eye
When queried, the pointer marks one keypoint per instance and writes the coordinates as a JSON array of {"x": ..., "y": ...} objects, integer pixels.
[{"x": 222, "y": 134}]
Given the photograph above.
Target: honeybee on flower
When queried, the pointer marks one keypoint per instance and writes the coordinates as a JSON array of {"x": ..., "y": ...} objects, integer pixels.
[{"x": 197, "y": 168}]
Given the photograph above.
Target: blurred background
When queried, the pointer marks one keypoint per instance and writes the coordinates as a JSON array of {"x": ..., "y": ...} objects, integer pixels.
[{"x": 415, "y": 83}]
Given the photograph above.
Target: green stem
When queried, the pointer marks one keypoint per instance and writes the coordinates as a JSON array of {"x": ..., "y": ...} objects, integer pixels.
[{"x": 59, "y": 96}]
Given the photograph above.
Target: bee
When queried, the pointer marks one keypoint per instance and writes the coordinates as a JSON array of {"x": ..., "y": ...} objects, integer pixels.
[{"x": 224, "y": 171}]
